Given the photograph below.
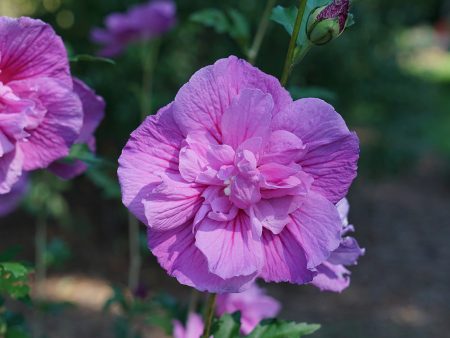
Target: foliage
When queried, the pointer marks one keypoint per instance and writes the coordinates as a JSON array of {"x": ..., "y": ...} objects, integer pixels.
[
  {"x": 12, "y": 325},
  {"x": 275, "y": 328},
  {"x": 231, "y": 22},
  {"x": 228, "y": 326},
  {"x": 158, "y": 311},
  {"x": 46, "y": 197},
  {"x": 57, "y": 253},
  {"x": 14, "y": 284},
  {"x": 286, "y": 17},
  {"x": 14, "y": 279}
]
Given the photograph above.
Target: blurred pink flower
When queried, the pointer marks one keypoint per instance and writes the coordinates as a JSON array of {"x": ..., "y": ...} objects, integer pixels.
[
  {"x": 253, "y": 304},
  {"x": 142, "y": 22},
  {"x": 235, "y": 181},
  {"x": 40, "y": 116},
  {"x": 194, "y": 327},
  {"x": 332, "y": 274}
]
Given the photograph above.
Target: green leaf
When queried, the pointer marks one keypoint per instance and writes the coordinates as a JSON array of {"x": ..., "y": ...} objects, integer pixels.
[
  {"x": 3, "y": 326},
  {"x": 83, "y": 153},
  {"x": 233, "y": 23},
  {"x": 350, "y": 20},
  {"x": 212, "y": 17},
  {"x": 117, "y": 298},
  {"x": 14, "y": 279},
  {"x": 45, "y": 197},
  {"x": 16, "y": 269},
  {"x": 227, "y": 326},
  {"x": 10, "y": 253},
  {"x": 91, "y": 58},
  {"x": 57, "y": 253},
  {"x": 107, "y": 183},
  {"x": 17, "y": 332},
  {"x": 240, "y": 28},
  {"x": 275, "y": 328},
  {"x": 162, "y": 321},
  {"x": 286, "y": 17}
]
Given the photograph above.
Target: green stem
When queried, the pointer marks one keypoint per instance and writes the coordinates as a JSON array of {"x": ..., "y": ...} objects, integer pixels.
[
  {"x": 40, "y": 248},
  {"x": 149, "y": 56},
  {"x": 150, "y": 51},
  {"x": 135, "y": 253},
  {"x": 193, "y": 299},
  {"x": 209, "y": 314},
  {"x": 291, "y": 50},
  {"x": 261, "y": 32},
  {"x": 302, "y": 53}
]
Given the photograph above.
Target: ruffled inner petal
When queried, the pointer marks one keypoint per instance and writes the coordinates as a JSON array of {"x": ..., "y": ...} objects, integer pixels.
[{"x": 230, "y": 247}]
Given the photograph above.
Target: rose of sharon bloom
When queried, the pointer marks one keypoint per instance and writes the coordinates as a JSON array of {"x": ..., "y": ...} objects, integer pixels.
[
  {"x": 333, "y": 276},
  {"x": 40, "y": 115},
  {"x": 140, "y": 23},
  {"x": 253, "y": 304},
  {"x": 236, "y": 181},
  {"x": 93, "y": 113},
  {"x": 194, "y": 327},
  {"x": 9, "y": 201}
]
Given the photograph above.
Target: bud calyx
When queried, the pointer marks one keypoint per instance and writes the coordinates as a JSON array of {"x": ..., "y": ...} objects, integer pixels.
[{"x": 328, "y": 22}]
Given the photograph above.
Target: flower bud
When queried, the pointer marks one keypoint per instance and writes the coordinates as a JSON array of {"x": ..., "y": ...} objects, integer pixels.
[{"x": 328, "y": 22}]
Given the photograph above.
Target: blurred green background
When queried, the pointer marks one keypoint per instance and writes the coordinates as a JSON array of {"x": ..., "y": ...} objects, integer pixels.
[{"x": 388, "y": 75}]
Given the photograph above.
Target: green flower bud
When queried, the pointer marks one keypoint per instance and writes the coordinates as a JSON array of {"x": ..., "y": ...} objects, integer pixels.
[{"x": 328, "y": 22}]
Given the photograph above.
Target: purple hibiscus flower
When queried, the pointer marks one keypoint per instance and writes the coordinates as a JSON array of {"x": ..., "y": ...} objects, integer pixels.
[
  {"x": 140, "y": 23},
  {"x": 43, "y": 110},
  {"x": 40, "y": 115},
  {"x": 253, "y": 304},
  {"x": 194, "y": 327},
  {"x": 236, "y": 181}
]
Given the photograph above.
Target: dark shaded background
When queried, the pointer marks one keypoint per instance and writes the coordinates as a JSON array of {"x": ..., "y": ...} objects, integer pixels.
[{"x": 388, "y": 75}]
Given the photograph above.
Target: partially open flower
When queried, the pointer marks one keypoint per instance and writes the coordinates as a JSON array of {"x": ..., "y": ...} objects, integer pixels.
[
  {"x": 253, "y": 304},
  {"x": 327, "y": 22}
]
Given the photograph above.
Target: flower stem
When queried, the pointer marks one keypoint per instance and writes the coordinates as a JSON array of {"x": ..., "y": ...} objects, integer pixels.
[
  {"x": 150, "y": 51},
  {"x": 261, "y": 32},
  {"x": 149, "y": 56},
  {"x": 135, "y": 253},
  {"x": 193, "y": 299},
  {"x": 288, "y": 64},
  {"x": 209, "y": 314},
  {"x": 40, "y": 248}
]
